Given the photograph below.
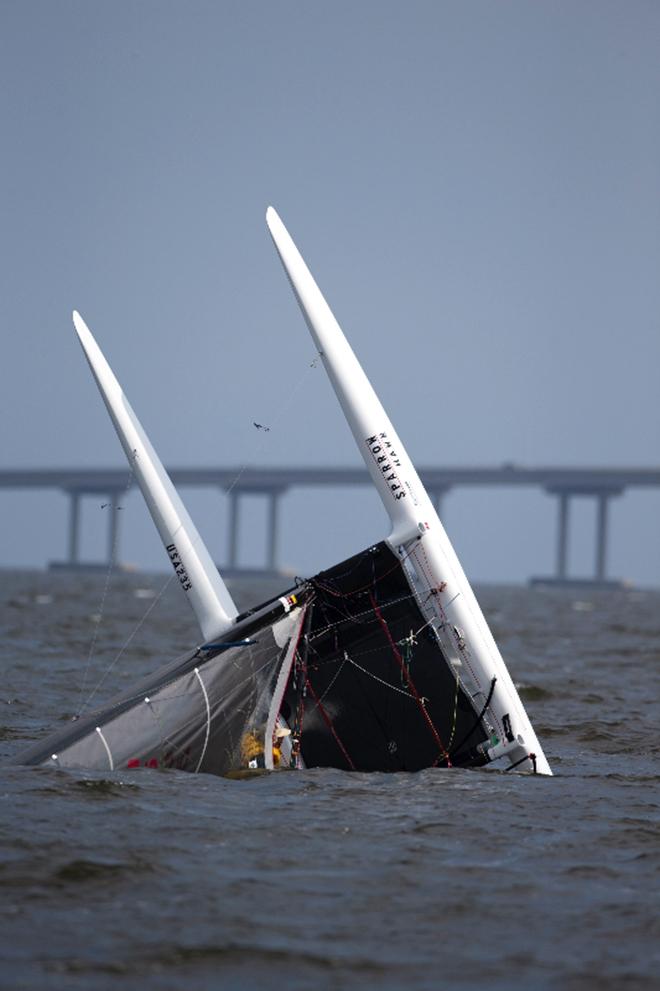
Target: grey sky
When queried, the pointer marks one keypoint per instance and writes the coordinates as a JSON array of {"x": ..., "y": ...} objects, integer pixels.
[{"x": 475, "y": 186}]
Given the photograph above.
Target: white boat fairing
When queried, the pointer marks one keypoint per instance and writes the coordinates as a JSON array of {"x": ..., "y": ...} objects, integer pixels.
[
  {"x": 199, "y": 578},
  {"x": 417, "y": 536}
]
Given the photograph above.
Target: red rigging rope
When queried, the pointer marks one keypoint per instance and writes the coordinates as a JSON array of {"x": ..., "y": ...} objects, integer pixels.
[
  {"x": 328, "y": 723},
  {"x": 411, "y": 685}
]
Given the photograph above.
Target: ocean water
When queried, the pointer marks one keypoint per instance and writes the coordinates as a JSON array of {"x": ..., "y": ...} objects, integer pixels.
[{"x": 450, "y": 879}]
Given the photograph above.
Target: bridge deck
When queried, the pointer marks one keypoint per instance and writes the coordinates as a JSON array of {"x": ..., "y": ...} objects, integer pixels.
[
  {"x": 563, "y": 483},
  {"x": 264, "y": 479}
]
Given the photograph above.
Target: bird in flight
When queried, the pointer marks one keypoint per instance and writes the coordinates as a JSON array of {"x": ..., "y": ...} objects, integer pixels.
[{"x": 260, "y": 426}]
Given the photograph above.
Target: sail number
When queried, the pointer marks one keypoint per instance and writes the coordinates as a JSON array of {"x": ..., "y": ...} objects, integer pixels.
[
  {"x": 386, "y": 458},
  {"x": 181, "y": 572}
]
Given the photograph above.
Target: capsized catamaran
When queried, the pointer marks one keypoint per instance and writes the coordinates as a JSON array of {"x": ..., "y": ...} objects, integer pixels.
[{"x": 383, "y": 662}]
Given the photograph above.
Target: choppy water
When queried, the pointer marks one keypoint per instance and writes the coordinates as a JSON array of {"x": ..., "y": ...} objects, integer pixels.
[{"x": 320, "y": 879}]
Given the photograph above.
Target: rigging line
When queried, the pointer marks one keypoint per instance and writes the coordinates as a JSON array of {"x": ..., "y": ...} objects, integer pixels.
[
  {"x": 372, "y": 650},
  {"x": 375, "y": 677},
  {"x": 454, "y": 717},
  {"x": 128, "y": 640},
  {"x": 111, "y": 565},
  {"x": 291, "y": 395},
  {"x": 149, "y": 608},
  {"x": 422, "y": 628},
  {"x": 452, "y": 600},
  {"x": 337, "y": 673},
  {"x": 125, "y": 646},
  {"x": 369, "y": 585},
  {"x": 356, "y": 617},
  {"x": 437, "y": 605},
  {"x": 328, "y": 723},
  {"x": 479, "y": 717},
  {"x": 368, "y": 612},
  {"x": 170, "y": 739},
  {"x": 411, "y": 684},
  {"x": 109, "y": 710},
  {"x": 261, "y": 443},
  {"x": 299, "y": 684},
  {"x": 381, "y": 723},
  {"x": 343, "y": 608},
  {"x": 377, "y": 650},
  {"x": 337, "y": 577},
  {"x": 165, "y": 738}
]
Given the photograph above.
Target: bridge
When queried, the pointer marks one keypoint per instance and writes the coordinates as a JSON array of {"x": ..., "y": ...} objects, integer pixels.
[{"x": 565, "y": 484}]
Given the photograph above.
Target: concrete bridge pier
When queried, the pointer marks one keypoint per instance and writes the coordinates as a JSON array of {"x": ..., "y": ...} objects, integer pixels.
[
  {"x": 272, "y": 529},
  {"x": 562, "y": 536},
  {"x": 272, "y": 494},
  {"x": 110, "y": 505},
  {"x": 113, "y": 527},
  {"x": 602, "y": 530},
  {"x": 561, "y": 576},
  {"x": 74, "y": 527},
  {"x": 232, "y": 536}
]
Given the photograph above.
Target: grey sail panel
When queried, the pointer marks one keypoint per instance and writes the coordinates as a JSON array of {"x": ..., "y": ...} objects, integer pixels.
[{"x": 195, "y": 715}]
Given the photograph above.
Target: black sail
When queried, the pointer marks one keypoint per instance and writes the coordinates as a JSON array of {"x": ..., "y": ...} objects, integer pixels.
[{"x": 374, "y": 690}]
